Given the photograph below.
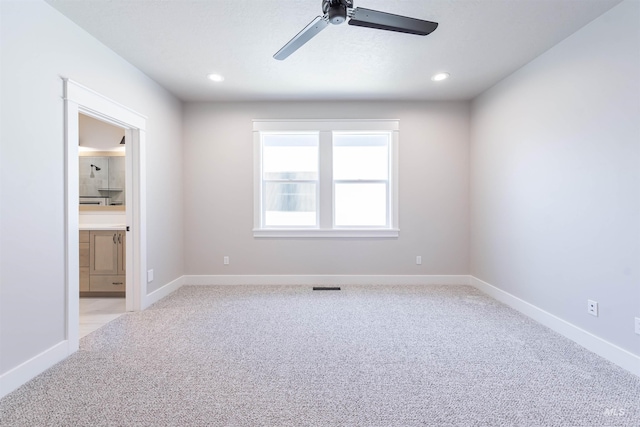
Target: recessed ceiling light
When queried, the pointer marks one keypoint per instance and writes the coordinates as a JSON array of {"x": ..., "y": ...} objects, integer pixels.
[
  {"x": 215, "y": 77},
  {"x": 440, "y": 76}
]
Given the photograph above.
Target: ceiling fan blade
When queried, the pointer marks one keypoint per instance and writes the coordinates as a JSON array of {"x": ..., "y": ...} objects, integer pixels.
[
  {"x": 314, "y": 27},
  {"x": 387, "y": 21}
]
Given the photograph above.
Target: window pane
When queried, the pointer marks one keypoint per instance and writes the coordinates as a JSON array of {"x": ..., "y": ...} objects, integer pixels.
[
  {"x": 290, "y": 156},
  {"x": 360, "y": 204},
  {"x": 360, "y": 156},
  {"x": 290, "y": 204}
]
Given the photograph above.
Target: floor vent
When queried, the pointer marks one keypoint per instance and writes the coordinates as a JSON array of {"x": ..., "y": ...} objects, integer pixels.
[{"x": 326, "y": 288}]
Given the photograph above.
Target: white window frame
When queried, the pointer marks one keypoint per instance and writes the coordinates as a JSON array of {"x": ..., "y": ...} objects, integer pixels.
[{"x": 325, "y": 201}]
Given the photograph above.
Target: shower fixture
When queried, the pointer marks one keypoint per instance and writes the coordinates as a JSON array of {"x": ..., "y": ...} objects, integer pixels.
[{"x": 96, "y": 168}]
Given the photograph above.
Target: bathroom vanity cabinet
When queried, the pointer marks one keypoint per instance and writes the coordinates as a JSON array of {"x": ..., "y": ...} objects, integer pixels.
[
  {"x": 102, "y": 263},
  {"x": 84, "y": 261}
]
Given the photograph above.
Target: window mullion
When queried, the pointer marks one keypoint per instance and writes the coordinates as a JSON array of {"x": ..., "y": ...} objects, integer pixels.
[{"x": 325, "y": 190}]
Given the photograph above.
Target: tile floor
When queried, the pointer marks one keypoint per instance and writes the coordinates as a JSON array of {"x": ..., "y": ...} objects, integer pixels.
[{"x": 97, "y": 312}]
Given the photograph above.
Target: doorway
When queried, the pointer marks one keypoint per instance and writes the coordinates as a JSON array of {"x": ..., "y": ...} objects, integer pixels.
[
  {"x": 82, "y": 100},
  {"x": 102, "y": 218}
]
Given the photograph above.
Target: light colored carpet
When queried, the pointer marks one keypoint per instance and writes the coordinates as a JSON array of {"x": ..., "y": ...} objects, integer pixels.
[{"x": 363, "y": 356}]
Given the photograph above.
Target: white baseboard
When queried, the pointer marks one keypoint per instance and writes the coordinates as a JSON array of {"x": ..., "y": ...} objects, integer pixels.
[
  {"x": 11, "y": 380},
  {"x": 601, "y": 347},
  {"x": 162, "y": 292},
  {"x": 326, "y": 279}
]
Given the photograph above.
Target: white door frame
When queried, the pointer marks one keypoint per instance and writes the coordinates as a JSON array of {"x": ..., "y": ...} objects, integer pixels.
[{"x": 80, "y": 99}]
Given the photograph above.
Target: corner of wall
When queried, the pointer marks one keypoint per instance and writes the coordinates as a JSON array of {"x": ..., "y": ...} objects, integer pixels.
[
  {"x": 601, "y": 347},
  {"x": 162, "y": 292}
]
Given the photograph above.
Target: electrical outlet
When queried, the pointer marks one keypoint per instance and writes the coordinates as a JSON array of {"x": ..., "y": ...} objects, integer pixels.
[
  {"x": 592, "y": 307},
  {"x": 226, "y": 260},
  {"x": 419, "y": 260},
  {"x": 638, "y": 325},
  {"x": 149, "y": 276}
]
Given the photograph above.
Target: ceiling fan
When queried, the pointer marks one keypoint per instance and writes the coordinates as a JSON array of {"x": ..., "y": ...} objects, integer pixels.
[{"x": 337, "y": 11}]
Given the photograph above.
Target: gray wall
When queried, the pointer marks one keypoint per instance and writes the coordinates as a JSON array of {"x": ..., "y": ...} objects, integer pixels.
[
  {"x": 555, "y": 179},
  {"x": 433, "y": 201},
  {"x": 39, "y": 46}
]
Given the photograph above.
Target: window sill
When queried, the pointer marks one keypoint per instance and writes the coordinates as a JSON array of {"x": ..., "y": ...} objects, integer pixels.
[{"x": 329, "y": 233}]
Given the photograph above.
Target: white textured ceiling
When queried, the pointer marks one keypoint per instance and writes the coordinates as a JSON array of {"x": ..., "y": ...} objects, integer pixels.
[{"x": 178, "y": 42}]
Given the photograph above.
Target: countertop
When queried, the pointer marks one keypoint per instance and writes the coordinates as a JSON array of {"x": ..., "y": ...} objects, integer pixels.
[{"x": 102, "y": 227}]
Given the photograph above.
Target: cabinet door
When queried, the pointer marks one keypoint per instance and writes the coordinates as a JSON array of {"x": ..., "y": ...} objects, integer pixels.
[
  {"x": 84, "y": 260},
  {"x": 84, "y": 254},
  {"x": 122, "y": 253},
  {"x": 104, "y": 252},
  {"x": 84, "y": 279}
]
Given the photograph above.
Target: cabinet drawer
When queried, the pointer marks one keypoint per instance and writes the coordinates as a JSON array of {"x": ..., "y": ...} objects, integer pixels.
[
  {"x": 84, "y": 236},
  {"x": 84, "y": 279},
  {"x": 84, "y": 255},
  {"x": 107, "y": 283}
]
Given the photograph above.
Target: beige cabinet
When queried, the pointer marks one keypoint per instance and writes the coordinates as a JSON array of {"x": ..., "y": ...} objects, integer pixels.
[
  {"x": 104, "y": 252},
  {"x": 84, "y": 261},
  {"x": 122, "y": 253},
  {"x": 106, "y": 267}
]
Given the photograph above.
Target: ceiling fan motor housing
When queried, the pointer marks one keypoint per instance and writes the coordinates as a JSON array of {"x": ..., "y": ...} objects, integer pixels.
[{"x": 336, "y": 10}]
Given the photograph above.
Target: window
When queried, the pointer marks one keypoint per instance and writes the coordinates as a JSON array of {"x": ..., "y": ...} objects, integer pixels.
[
  {"x": 289, "y": 180},
  {"x": 361, "y": 179},
  {"x": 325, "y": 178}
]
